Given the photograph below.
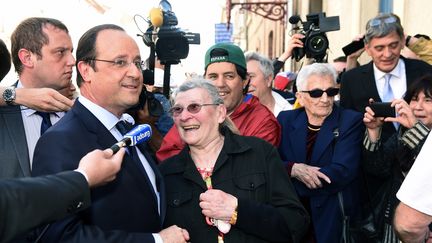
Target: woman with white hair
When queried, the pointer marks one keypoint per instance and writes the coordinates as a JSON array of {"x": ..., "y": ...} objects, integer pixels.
[{"x": 321, "y": 148}]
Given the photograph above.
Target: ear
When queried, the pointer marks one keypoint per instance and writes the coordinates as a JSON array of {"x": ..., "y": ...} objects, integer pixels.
[
  {"x": 223, "y": 113},
  {"x": 85, "y": 70},
  {"x": 299, "y": 97},
  {"x": 269, "y": 81},
  {"x": 368, "y": 49},
  {"x": 25, "y": 57}
]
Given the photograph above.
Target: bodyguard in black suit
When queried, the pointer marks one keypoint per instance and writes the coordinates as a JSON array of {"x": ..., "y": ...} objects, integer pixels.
[
  {"x": 38, "y": 67},
  {"x": 384, "y": 40},
  {"x": 27, "y": 202},
  {"x": 131, "y": 208}
]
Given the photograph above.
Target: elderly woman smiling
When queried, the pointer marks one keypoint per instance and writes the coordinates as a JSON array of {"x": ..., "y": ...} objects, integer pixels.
[
  {"x": 321, "y": 148},
  {"x": 224, "y": 187}
]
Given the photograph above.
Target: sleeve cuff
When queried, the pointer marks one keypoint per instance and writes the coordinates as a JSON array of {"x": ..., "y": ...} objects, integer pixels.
[
  {"x": 83, "y": 173},
  {"x": 369, "y": 145},
  {"x": 288, "y": 167},
  {"x": 415, "y": 135},
  {"x": 157, "y": 238}
]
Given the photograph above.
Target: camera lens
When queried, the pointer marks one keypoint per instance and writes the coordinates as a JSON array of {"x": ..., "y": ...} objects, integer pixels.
[{"x": 318, "y": 44}]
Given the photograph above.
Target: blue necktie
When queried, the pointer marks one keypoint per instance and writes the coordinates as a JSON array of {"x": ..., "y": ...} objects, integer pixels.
[
  {"x": 123, "y": 127},
  {"x": 46, "y": 122},
  {"x": 388, "y": 95}
]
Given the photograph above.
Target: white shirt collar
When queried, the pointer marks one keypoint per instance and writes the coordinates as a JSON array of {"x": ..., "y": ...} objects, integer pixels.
[
  {"x": 108, "y": 119},
  {"x": 397, "y": 71}
]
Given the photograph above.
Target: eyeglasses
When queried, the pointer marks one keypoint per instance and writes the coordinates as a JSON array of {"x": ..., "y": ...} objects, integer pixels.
[
  {"x": 377, "y": 21},
  {"x": 316, "y": 93},
  {"x": 120, "y": 63},
  {"x": 192, "y": 108}
]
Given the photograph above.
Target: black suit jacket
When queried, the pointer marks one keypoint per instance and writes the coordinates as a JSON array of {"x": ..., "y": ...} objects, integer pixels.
[
  {"x": 124, "y": 210},
  {"x": 358, "y": 86},
  {"x": 14, "y": 159},
  {"x": 27, "y": 202}
]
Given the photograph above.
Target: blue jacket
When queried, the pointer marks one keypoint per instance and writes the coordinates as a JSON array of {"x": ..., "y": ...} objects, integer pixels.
[{"x": 337, "y": 152}]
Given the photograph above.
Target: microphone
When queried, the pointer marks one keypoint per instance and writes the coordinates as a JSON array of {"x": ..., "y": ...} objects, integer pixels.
[
  {"x": 156, "y": 17},
  {"x": 137, "y": 135},
  {"x": 294, "y": 19}
]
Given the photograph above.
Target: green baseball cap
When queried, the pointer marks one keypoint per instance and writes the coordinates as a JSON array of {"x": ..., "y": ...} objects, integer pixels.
[{"x": 230, "y": 53}]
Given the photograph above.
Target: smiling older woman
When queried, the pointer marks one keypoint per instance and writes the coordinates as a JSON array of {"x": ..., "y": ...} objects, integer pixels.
[
  {"x": 321, "y": 148},
  {"x": 225, "y": 187}
]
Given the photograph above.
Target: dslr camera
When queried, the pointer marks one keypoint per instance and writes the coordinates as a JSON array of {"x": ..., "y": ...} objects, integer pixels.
[{"x": 315, "y": 42}]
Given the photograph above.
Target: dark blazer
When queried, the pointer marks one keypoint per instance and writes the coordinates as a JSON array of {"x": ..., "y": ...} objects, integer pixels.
[
  {"x": 14, "y": 159},
  {"x": 124, "y": 210},
  {"x": 250, "y": 169},
  {"x": 28, "y": 202},
  {"x": 358, "y": 86},
  {"x": 337, "y": 152}
]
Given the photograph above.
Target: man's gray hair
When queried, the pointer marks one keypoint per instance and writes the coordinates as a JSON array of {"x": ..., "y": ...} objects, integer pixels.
[
  {"x": 319, "y": 69},
  {"x": 382, "y": 25},
  {"x": 265, "y": 64}
]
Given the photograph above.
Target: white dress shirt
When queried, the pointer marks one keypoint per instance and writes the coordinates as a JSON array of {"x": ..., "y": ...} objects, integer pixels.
[{"x": 398, "y": 81}]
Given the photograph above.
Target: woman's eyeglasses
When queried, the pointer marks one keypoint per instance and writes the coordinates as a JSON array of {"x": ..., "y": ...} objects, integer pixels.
[
  {"x": 316, "y": 93},
  {"x": 192, "y": 108}
]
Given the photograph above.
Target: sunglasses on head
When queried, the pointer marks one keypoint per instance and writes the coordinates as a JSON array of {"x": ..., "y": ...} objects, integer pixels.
[
  {"x": 377, "y": 21},
  {"x": 191, "y": 108},
  {"x": 316, "y": 93}
]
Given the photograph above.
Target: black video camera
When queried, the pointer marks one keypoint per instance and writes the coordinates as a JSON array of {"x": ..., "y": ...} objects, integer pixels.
[
  {"x": 171, "y": 43},
  {"x": 315, "y": 42}
]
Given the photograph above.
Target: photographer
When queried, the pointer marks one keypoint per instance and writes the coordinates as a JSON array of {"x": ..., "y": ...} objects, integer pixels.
[{"x": 393, "y": 159}]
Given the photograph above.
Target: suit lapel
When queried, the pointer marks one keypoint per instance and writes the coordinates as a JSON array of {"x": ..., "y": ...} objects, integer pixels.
[
  {"x": 325, "y": 136},
  {"x": 160, "y": 184},
  {"x": 15, "y": 128},
  {"x": 369, "y": 83},
  {"x": 297, "y": 137}
]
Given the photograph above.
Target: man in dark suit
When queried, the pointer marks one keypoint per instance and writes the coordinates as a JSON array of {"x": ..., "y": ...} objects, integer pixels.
[
  {"x": 132, "y": 207},
  {"x": 42, "y": 56},
  {"x": 384, "y": 40},
  {"x": 28, "y": 202},
  {"x": 385, "y": 78}
]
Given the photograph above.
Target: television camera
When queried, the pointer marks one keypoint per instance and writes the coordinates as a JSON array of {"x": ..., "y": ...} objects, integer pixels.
[
  {"x": 166, "y": 41},
  {"x": 315, "y": 42},
  {"x": 170, "y": 44}
]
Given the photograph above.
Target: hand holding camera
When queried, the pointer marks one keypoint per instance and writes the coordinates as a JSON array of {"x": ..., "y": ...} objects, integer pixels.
[{"x": 315, "y": 40}]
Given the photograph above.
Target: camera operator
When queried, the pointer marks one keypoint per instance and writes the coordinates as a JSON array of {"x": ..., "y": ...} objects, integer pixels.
[{"x": 293, "y": 43}]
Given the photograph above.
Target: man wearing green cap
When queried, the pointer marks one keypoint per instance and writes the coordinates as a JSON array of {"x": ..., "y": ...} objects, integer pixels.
[{"x": 225, "y": 65}]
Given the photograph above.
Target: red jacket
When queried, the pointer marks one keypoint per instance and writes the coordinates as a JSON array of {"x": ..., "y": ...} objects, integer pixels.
[{"x": 251, "y": 118}]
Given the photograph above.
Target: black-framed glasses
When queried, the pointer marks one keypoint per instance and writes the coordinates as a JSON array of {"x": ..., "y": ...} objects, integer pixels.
[
  {"x": 316, "y": 93},
  {"x": 192, "y": 108},
  {"x": 377, "y": 21},
  {"x": 120, "y": 63}
]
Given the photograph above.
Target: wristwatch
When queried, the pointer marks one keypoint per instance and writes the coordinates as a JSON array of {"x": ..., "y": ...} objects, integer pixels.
[{"x": 9, "y": 95}]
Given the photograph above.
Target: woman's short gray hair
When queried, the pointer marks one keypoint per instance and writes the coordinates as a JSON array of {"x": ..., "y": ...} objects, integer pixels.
[
  {"x": 214, "y": 95},
  {"x": 320, "y": 69},
  {"x": 199, "y": 83}
]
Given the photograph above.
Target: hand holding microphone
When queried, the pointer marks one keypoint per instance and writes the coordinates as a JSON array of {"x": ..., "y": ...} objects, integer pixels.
[{"x": 139, "y": 134}]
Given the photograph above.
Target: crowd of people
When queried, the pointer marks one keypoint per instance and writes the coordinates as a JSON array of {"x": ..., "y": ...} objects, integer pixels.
[{"x": 232, "y": 157}]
